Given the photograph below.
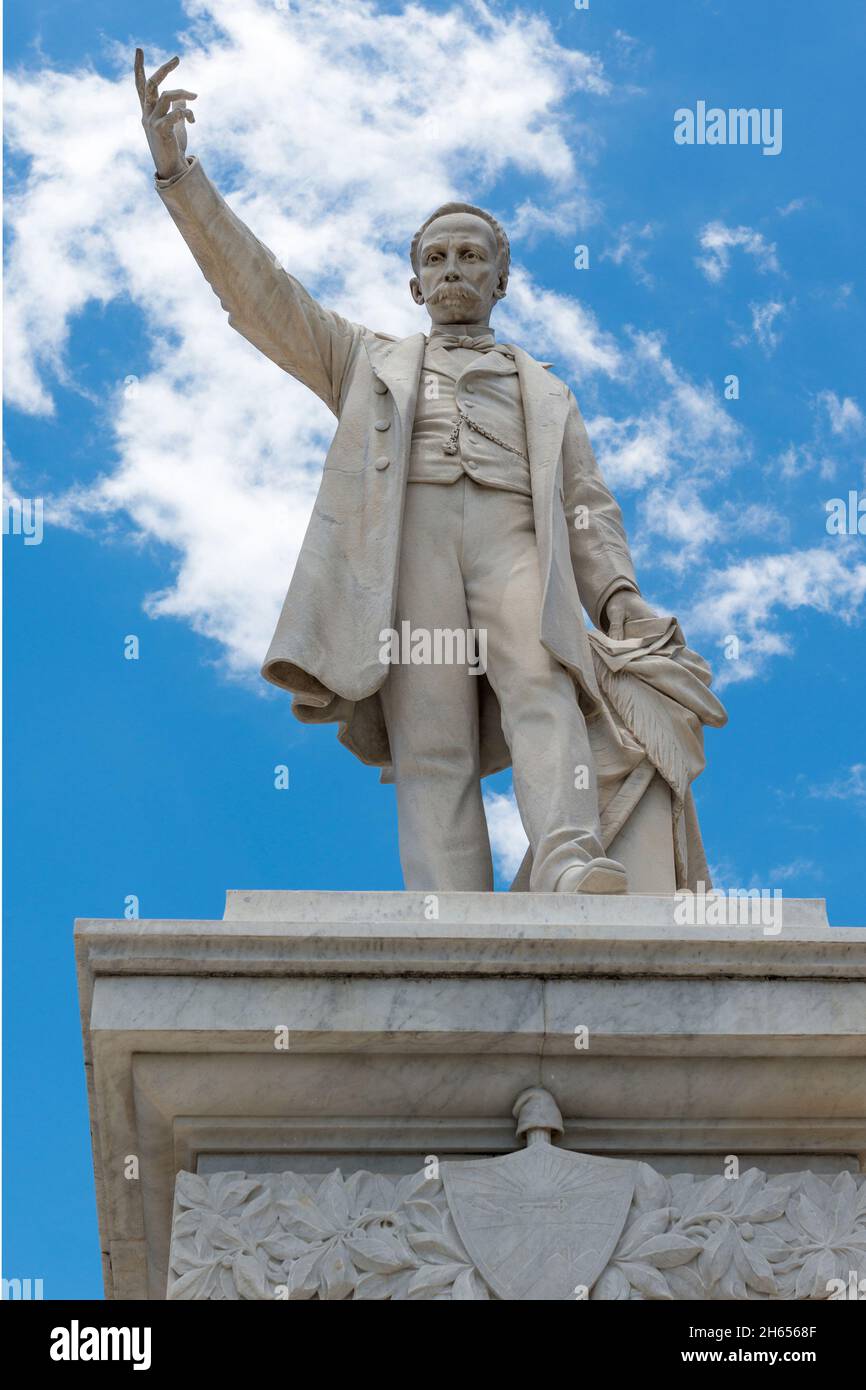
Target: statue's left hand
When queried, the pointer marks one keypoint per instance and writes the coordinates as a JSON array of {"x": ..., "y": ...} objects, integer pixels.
[{"x": 621, "y": 608}]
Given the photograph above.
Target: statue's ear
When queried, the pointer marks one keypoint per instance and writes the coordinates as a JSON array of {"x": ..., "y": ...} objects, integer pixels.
[
  {"x": 501, "y": 285},
  {"x": 415, "y": 290}
]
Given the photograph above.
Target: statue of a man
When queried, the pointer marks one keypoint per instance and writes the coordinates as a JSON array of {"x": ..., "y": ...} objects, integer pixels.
[{"x": 460, "y": 495}]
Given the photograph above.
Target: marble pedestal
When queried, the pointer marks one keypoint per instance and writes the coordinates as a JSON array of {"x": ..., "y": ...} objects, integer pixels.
[{"x": 378, "y": 1032}]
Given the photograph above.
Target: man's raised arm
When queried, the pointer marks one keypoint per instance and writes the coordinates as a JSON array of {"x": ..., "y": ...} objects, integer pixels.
[{"x": 264, "y": 303}]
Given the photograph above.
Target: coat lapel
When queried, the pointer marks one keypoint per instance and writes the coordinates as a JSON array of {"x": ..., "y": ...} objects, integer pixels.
[
  {"x": 398, "y": 362},
  {"x": 545, "y": 406}
]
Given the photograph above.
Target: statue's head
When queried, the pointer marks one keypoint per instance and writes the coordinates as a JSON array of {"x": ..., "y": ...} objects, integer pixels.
[{"x": 460, "y": 257}]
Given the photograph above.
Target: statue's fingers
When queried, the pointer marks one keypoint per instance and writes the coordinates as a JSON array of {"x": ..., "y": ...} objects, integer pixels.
[
  {"x": 151, "y": 89},
  {"x": 163, "y": 105},
  {"x": 140, "y": 81},
  {"x": 163, "y": 71},
  {"x": 180, "y": 113}
]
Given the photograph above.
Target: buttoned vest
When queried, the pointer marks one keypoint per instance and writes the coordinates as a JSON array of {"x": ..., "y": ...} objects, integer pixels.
[{"x": 469, "y": 420}]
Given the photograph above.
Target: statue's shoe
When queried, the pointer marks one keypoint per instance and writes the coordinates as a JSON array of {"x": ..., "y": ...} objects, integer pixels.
[{"x": 595, "y": 876}]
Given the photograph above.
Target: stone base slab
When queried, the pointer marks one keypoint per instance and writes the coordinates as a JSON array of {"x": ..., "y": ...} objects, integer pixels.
[{"x": 315, "y": 1025}]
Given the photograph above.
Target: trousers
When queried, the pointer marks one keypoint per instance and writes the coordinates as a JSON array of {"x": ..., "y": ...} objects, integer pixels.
[{"x": 469, "y": 561}]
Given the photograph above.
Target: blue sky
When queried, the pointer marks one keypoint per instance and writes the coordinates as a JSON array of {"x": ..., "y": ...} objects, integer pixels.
[{"x": 174, "y": 463}]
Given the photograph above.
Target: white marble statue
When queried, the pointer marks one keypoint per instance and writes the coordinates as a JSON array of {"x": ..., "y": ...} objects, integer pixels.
[{"x": 462, "y": 513}]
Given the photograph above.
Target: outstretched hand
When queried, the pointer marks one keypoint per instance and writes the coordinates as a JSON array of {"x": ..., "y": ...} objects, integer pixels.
[{"x": 164, "y": 117}]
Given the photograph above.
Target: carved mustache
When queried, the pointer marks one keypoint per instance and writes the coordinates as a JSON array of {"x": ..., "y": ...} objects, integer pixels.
[{"x": 450, "y": 290}]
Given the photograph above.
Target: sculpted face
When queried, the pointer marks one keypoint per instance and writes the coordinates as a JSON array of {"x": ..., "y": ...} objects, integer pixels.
[{"x": 459, "y": 275}]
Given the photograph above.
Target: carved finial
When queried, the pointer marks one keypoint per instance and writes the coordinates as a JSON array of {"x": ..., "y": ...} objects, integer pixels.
[{"x": 537, "y": 1115}]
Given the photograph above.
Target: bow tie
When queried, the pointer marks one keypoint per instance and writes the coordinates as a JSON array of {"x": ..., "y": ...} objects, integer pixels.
[{"x": 484, "y": 342}]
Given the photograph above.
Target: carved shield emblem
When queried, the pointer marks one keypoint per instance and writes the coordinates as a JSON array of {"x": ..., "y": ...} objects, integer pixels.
[{"x": 541, "y": 1222}]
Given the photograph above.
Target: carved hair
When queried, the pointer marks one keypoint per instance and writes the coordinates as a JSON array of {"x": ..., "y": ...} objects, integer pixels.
[{"x": 502, "y": 244}]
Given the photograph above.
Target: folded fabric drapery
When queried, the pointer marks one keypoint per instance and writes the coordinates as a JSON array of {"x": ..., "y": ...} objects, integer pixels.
[{"x": 657, "y": 701}]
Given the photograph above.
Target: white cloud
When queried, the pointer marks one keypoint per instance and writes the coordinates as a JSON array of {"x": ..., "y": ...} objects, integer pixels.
[
  {"x": 695, "y": 527},
  {"x": 837, "y": 427},
  {"x": 631, "y": 249},
  {"x": 629, "y": 51},
  {"x": 626, "y": 41},
  {"x": 216, "y": 454},
  {"x": 560, "y": 329},
  {"x": 845, "y": 416},
  {"x": 743, "y": 601},
  {"x": 531, "y": 220},
  {"x": 324, "y": 124},
  {"x": 685, "y": 432},
  {"x": 764, "y": 317},
  {"x": 678, "y": 514},
  {"x": 718, "y": 240},
  {"x": 795, "y": 205},
  {"x": 508, "y": 840},
  {"x": 796, "y": 460},
  {"x": 798, "y": 868},
  {"x": 850, "y": 787}
]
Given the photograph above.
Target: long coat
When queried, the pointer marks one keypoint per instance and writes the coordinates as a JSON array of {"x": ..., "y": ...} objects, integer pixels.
[{"x": 326, "y": 647}]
